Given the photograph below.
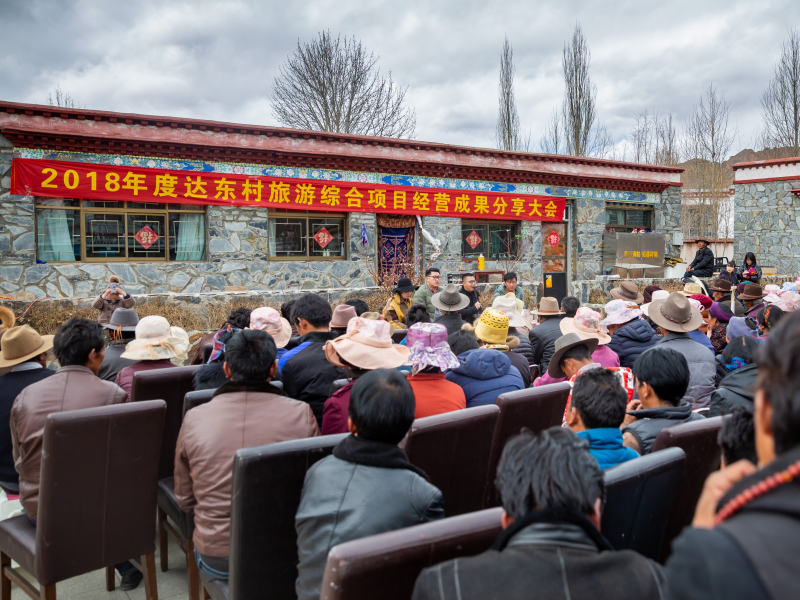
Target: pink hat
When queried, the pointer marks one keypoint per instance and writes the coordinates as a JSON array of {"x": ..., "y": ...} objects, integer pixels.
[
  {"x": 367, "y": 344},
  {"x": 429, "y": 348},
  {"x": 270, "y": 320},
  {"x": 427, "y": 334},
  {"x": 342, "y": 315},
  {"x": 620, "y": 311},
  {"x": 790, "y": 302},
  {"x": 586, "y": 325}
]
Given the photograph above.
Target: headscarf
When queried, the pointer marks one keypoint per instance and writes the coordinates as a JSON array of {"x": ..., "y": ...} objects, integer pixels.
[
  {"x": 738, "y": 326},
  {"x": 648, "y": 293},
  {"x": 220, "y": 338}
]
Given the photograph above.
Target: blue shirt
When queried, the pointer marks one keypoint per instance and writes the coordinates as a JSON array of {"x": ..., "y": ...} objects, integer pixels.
[
  {"x": 605, "y": 444},
  {"x": 701, "y": 338}
]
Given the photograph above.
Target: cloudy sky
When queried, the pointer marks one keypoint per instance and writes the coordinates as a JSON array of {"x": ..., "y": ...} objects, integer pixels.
[{"x": 217, "y": 59}]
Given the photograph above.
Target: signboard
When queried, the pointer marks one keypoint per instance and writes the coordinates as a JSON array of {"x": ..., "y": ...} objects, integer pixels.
[
  {"x": 111, "y": 183},
  {"x": 635, "y": 251}
]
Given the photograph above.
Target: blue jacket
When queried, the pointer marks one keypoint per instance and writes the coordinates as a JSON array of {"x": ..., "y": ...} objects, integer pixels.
[
  {"x": 701, "y": 338},
  {"x": 605, "y": 444},
  {"x": 630, "y": 340},
  {"x": 484, "y": 375}
]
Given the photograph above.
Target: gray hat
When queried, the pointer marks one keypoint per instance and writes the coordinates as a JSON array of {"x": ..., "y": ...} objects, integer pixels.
[
  {"x": 449, "y": 299},
  {"x": 123, "y": 319},
  {"x": 564, "y": 343}
]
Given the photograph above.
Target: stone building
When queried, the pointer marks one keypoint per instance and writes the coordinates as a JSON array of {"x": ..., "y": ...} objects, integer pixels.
[{"x": 65, "y": 227}]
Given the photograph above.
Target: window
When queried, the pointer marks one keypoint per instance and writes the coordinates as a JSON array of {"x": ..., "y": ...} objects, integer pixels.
[
  {"x": 623, "y": 220},
  {"x": 94, "y": 231},
  {"x": 307, "y": 235},
  {"x": 493, "y": 240}
]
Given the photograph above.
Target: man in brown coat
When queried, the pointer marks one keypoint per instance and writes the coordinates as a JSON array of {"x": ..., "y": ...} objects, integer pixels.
[{"x": 246, "y": 411}]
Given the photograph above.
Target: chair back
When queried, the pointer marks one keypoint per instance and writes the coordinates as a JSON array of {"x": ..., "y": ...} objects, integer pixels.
[
  {"x": 192, "y": 399},
  {"x": 698, "y": 439},
  {"x": 97, "y": 496},
  {"x": 267, "y": 485},
  {"x": 398, "y": 335},
  {"x": 453, "y": 449},
  {"x": 534, "y": 408},
  {"x": 169, "y": 385},
  {"x": 639, "y": 497},
  {"x": 387, "y": 565}
]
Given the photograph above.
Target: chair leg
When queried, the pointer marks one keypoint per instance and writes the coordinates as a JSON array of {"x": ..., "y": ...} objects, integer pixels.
[
  {"x": 192, "y": 571},
  {"x": 204, "y": 592},
  {"x": 163, "y": 540},
  {"x": 47, "y": 592},
  {"x": 5, "y": 582},
  {"x": 110, "y": 580},
  {"x": 149, "y": 572}
]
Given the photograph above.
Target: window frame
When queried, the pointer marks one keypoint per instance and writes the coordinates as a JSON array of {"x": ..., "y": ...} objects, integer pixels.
[
  {"x": 124, "y": 210},
  {"x": 308, "y": 215},
  {"x": 625, "y": 228},
  {"x": 487, "y": 222}
]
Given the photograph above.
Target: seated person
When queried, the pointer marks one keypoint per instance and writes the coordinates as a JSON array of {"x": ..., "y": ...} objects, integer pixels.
[
  {"x": 703, "y": 263},
  {"x": 491, "y": 329},
  {"x": 596, "y": 411},
  {"x": 397, "y": 306},
  {"x": 416, "y": 314},
  {"x": 342, "y": 315},
  {"x": 238, "y": 318},
  {"x": 738, "y": 378},
  {"x": 517, "y": 326},
  {"x": 211, "y": 375},
  {"x": 450, "y": 302},
  {"x": 157, "y": 346},
  {"x": 662, "y": 378},
  {"x": 744, "y": 538},
  {"x": 359, "y": 304},
  {"x": 305, "y": 372},
  {"x": 550, "y": 547},
  {"x": 266, "y": 318},
  {"x": 469, "y": 288},
  {"x": 429, "y": 357},
  {"x": 245, "y": 412},
  {"x": 121, "y": 329},
  {"x": 768, "y": 318},
  {"x": 630, "y": 334},
  {"x": 737, "y": 437},
  {"x": 570, "y": 306},
  {"x": 368, "y": 486}
]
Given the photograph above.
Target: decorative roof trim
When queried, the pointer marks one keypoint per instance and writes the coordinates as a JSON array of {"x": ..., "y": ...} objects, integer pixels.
[{"x": 766, "y": 163}]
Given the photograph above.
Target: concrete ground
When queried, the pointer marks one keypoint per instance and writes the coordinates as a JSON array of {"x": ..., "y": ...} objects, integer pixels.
[{"x": 92, "y": 586}]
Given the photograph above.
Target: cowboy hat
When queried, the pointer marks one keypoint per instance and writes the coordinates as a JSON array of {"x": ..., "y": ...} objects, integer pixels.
[
  {"x": 266, "y": 318},
  {"x": 510, "y": 308},
  {"x": 675, "y": 314},
  {"x": 702, "y": 238},
  {"x": 627, "y": 290},
  {"x": 22, "y": 343},
  {"x": 721, "y": 285},
  {"x": 367, "y": 345},
  {"x": 752, "y": 292},
  {"x": 586, "y": 325},
  {"x": 342, "y": 315},
  {"x": 657, "y": 295},
  {"x": 7, "y": 319},
  {"x": 155, "y": 339},
  {"x": 122, "y": 319},
  {"x": 520, "y": 304},
  {"x": 404, "y": 285},
  {"x": 690, "y": 289},
  {"x": 564, "y": 343},
  {"x": 449, "y": 299},
  {"x": 547, "y": 306}
]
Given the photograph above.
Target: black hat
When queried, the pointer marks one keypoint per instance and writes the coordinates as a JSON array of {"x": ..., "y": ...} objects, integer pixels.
[{"x": 404, "y": 285}]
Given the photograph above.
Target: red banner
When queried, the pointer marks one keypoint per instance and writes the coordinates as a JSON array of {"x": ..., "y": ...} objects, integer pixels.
[{"x": 110, "y": 183}]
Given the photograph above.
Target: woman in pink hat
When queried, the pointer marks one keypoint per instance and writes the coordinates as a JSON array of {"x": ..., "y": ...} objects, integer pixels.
[{"x": 430, "y": 356}]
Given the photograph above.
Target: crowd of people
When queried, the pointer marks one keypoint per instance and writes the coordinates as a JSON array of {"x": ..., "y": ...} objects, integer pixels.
[{"x": 647, "y": 361}]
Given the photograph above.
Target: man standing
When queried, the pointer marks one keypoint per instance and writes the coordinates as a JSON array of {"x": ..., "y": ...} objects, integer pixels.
[
  {"x": 425, "y": 292},
  {"x": 469, "y": 288},
  {"x": 703, "y": 263}
]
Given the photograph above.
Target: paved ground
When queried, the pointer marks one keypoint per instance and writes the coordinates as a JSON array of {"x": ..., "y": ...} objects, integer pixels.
[{"x": 92, "y": 586}]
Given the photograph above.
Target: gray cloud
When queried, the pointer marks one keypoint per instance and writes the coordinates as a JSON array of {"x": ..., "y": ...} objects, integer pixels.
[{"x": 217, "y": 60}]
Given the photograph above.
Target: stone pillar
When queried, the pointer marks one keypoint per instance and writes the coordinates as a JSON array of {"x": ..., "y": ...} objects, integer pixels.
[
  {"x": 668, "y": 220},
  {"x": 529, "y": 268},
  {"x": 448, "y": 231},
  {"x": 590, "y": 218}
]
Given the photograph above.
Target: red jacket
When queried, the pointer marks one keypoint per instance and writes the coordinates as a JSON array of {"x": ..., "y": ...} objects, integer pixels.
[
  {"x": 125, "y": 377},
  {"x": 334, "y": 414},
  {"x": 435, "y": 395}
]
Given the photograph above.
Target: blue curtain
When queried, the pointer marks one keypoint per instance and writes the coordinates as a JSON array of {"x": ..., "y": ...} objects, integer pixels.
[{"x": 394, "y": 248}]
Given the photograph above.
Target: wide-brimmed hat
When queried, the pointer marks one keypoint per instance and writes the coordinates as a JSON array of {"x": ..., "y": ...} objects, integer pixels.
[
  {"x": 342, "y": 315},
  {"x": 22, "y": 343},
  {"x": 509, "y": 307},
  {"x": 7, "y": 319},
  {"x": 564, "y": 343},
  {"x": 367, "y": 344},
  {"x": 702, "y": 238},
  {"x": 721, "y": 285},
  {"x": 123, "y": 319},
  {"x": 155, "y": 339},
  {"x": 752, "y": 292},
  {"x": 449, "y": 299},
  {"x": 619, "y": 312},
  {"x": 690, "y": 289},
  {"x": 675, "y": 314},
  {"x": 270, "y": 320},
  {"x": 586, "y": 325},
  {"x": 404, "y": 285},
  {"x": 492, "y": 327},
  {"x": 548, "y": 306},
  {"x": 790, "y": 302},
  {"x": 627, "y": 290},
  {"x": 657, "y": 295},
  {"x": 520, "y": 303},
  {"x": 428, "y": 347}
]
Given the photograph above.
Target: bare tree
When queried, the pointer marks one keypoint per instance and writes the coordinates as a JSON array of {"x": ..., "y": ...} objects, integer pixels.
[
  {"x": 654, "y": 139},
  {"x": 507, "y": 133},
  {"x": 780, "y": 102},
  {"x": 334, "y": 85},
  {"x": 552, "y": 135},
  {"x": 60, "y": 98}
]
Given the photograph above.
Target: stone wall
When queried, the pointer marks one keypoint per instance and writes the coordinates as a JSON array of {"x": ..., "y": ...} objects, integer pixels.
[
  {"x": 668, "y": 219},
  {"x": 590, "y": 216}
]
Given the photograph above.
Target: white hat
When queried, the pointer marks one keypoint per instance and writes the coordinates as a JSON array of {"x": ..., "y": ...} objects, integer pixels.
[
  {"x": 620, "y": 311},
  {"x": 657, "y": 295},
  {"x": 155, "y": 340},
  {"x": 508, "y": 306}
]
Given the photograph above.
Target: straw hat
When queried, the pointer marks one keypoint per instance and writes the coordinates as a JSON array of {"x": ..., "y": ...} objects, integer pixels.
[
  {"x": 155, "y": 340},
  {"x": 449, "y": 300},
  {"x": 520, "y": 304},
  {"x": 509, "y": 306},
  {"x": 270, "y": 320},
  {"x": 690, "y": 289},
  {"x": 586, "y": 325},
  {"x": 492, "y": 327},
  {"x": 629, "y": 291},
  {"x": 22, "y": 343},
  {"x": 657, "y": 295},
  {"x": 721, "y": 285},
  {"x": 564, "y": 343},
  {"x": 342, "y": 315},
  {"x": 367, "y": 344},
  {"x": 675, "y": 314},
  {"x": 548, "y": 306}
]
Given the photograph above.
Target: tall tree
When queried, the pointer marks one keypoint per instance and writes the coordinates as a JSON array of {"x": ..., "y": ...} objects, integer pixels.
[
  {"x": 335, "y": 85},
  {"x": 508, "y": 134},
  {"x": 60, "y": 98},
  {"x": 780, "y": 102},
  {"x": 654, "y": 139}
]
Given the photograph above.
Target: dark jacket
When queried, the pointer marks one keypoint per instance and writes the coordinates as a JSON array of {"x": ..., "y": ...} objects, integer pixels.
[
  {"x": 702, "y": 367},
  {"x": 209, "y": 376},
  {"x": 649, "y": 421},
  {"x": 308, "y": 375},
  {"x": 470, "y": 312},
  {"x": 703, "y": 261},
  {"x": 349, "y": 496},
  {"x": 484, "y": 375},
  {"x": 750, "y": 556},
  {"x": 543, "y": 342},
  {"x": 452, "y": 322},
  {"x": 524, "y": 348},
  {"x": 11, "y": 385},
  {"x": 519, "y": 361},
  {"x": 545, "y": 560},
  {"x": 113, "y": 363},
  {"x": 630, "y": 340},
  {"x": 753, "y": 278},
  {"x": 731, "y": 277},
  {"x": 736, "y": 389}
]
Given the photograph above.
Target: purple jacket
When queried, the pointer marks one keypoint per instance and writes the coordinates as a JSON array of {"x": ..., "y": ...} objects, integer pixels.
[
  {"x": 604, "y": 356},
  {"x": 334, "y": 413},
  {"x": 125, "y": 377}
]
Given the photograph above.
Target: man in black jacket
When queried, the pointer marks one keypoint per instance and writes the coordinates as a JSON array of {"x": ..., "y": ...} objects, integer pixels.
[
  {"x": 469, "y": 288},
  {"x": 544, "y": 335},
  {"x": 703, "y": 263},
  {"x": 745, "y": 537},
  {"x": 305, "y": 372},
  {"x": 550, "y": 547}
]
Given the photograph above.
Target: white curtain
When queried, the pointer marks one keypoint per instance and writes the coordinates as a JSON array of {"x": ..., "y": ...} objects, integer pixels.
[
  {"x": 54, "y": 235},
  {"x": 191, "y": 236}
]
